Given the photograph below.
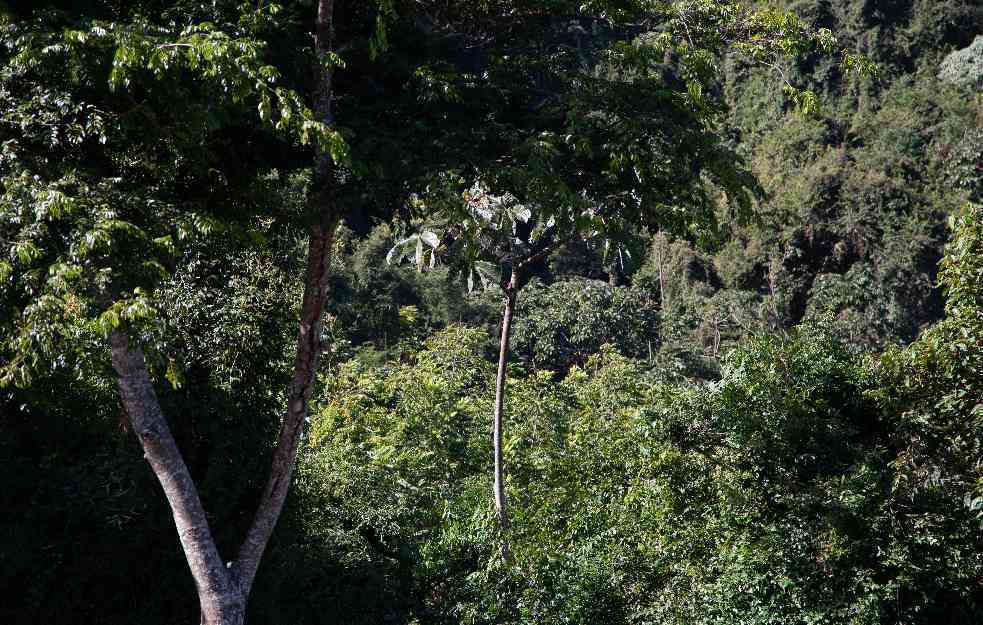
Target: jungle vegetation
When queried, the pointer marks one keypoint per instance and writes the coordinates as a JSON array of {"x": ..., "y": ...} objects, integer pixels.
[{"x": 491, "y": 312}]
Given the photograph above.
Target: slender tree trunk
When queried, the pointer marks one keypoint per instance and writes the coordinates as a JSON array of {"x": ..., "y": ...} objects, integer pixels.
[
  {"x": 662, "y": 280},
  {"x": 223, "y": 589},
  {"x": 222, "y": 601},
  {"x": 501, "y": 507},
  {"x": 321, "y": 206},
  {"x": 298, "y": 396}
]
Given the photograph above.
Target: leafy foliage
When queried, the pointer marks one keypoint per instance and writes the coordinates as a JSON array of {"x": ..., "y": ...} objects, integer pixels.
[
  {"x": 964, "y": 66},
  {"x": 562, "y": 324},
  {"x": 704, "y": 431},
  {"x": 777, "y": 494},
  {"x": 92, "y": 174}
]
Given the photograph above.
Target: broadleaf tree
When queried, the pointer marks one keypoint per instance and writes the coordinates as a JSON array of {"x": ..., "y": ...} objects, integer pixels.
[
  {"x": 622, "y": 129},
  {"x": 124, "y": 134}
]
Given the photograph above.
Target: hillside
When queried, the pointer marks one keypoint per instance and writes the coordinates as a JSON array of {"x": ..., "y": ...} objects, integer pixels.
[{"x": 742, "y": 366}]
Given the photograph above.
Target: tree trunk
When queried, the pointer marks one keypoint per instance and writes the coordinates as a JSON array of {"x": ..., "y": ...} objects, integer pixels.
[
  {"x": 298, "y": 396},
  {"x": 662, "y": 280},
  {"x": 231, "y": 612},
  {"x": 322, "y": 208},
  {"x": 501, "y": 508},
  {"x": 224, "y": 589},
  {"x": 220, "y": 597}
]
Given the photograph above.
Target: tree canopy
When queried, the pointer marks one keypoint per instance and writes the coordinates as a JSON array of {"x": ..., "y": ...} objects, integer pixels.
[{"x": 725, "y": 255}]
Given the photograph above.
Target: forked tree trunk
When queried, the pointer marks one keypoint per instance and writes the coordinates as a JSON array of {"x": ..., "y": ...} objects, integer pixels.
[
  {"x": 501, "y": 505},
  {"x": 223, "y": 589}
]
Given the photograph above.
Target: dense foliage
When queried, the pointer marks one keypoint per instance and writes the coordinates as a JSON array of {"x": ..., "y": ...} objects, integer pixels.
[
  {"x": 809, "y": 484},
  {"x": 747, "y": 373}
]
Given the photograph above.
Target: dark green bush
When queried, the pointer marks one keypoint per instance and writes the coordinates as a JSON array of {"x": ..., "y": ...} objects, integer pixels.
[{"x": 560, "y": 325}]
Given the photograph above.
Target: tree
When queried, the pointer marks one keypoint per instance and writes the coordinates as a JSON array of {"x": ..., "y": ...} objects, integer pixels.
[
  {"x": 117, "y": 146},
  {"x": 624, "y": 133}
]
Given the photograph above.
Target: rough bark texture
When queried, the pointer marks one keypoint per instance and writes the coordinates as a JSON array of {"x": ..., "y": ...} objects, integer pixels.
[
  {"x": 501, "y": 507},
  {"x": 301, "y": 385},
  {"x": 298, "y": 397},
  {"x": 224, "y": 589},
  {"x": 221, "y": 599}
]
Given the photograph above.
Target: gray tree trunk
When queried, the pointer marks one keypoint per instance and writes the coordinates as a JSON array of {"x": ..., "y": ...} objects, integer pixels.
[
  {"x": 309, "y": 346},
  {"x": 223, "y": 589},
  {"x": 501, "y": 507},
  {"x": 221, "y": 599},
  {"x": 298, "y": 397}
]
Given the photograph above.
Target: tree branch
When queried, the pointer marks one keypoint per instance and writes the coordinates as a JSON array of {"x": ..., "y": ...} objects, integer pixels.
[
  {"x": 298, "y": 398},
  {"x": 309, "y": 345},
  {"x": 215, "y": 586}
]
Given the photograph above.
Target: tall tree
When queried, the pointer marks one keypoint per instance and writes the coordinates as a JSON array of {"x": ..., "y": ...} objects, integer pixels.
[
  {"x": 606, "y": 124},
  {"x": 116, "y": 148}
]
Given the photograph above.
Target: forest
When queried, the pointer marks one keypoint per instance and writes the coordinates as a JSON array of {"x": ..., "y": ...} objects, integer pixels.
[{"x": 491, "y": 312}]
